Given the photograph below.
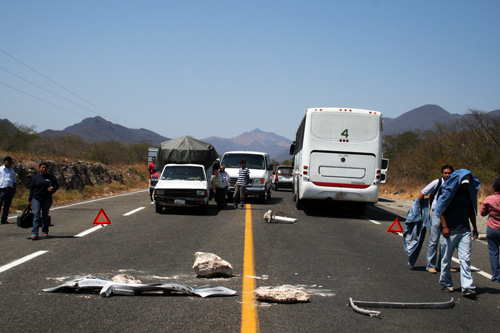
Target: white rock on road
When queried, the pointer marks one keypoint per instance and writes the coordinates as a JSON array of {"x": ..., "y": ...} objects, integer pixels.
[
  {"x": 281, "y": 294},
  {"x": 209, "y": 265}
]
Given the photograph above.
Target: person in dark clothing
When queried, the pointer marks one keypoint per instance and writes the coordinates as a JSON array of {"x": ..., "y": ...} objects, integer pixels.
[
  {"x": 457, "y": 211},
  {"x": 43, "y": 185}
]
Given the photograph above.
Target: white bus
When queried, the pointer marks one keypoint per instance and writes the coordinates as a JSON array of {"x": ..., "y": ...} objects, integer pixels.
[{"x": 338, "y": 156}]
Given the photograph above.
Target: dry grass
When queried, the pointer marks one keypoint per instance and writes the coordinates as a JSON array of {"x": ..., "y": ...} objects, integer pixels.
[{"x": 412, "y": 189}]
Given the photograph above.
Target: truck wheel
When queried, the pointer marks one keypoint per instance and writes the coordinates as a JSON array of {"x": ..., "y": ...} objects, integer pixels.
[
  {"x": 158, "y": 208},
  {"x": 204, "y": 209}
]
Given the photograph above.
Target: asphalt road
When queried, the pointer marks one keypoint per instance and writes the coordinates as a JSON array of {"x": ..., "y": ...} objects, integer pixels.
[{"x": 330, "y": 254}]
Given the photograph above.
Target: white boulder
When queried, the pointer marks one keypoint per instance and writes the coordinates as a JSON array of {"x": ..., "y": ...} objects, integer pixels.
[
  {"x": 210, "y": 265},
  {"x": 281, "y": 294}
]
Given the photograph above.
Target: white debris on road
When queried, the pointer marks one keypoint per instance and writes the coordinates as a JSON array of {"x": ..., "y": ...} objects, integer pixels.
[
  {"x": 211, "y": 265},
  {"x": 281, "y": 294},
  {"x": 125, "y": 278},
  {"x": 271, "y": 217}
]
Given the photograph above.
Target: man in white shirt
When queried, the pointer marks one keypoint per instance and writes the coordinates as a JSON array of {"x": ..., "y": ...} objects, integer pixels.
[
  {"x": 7, "y": 187},
  {"x": 435, "y": 227},
  {"x": 223, "y": 187}
]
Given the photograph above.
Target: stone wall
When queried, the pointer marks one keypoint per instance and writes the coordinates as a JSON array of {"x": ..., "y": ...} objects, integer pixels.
[{"x": 71, "y": 175}]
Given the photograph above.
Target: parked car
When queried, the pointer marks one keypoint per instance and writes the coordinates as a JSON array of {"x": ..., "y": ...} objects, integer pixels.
[{"x": 282, "y": 177}]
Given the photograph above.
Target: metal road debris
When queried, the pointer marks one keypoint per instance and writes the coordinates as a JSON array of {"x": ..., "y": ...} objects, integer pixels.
[
  {"x": 397, "y": 305},
  {"x": 107, "y": 288},
  {"x": 270, "y": 217},
  {"x": 281, "y": 294}
]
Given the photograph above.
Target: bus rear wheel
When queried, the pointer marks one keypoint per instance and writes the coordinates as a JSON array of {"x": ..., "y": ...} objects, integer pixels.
[{"x": 299, "y": 203}]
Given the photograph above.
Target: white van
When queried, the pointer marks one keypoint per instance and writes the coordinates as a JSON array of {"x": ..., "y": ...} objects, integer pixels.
[{"x": 260, "y": 166}]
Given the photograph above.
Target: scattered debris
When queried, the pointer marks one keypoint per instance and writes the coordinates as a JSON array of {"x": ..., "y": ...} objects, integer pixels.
[
  {"x": 263, "y": 277},
  {"x": 371, "y": 313},
  {"x": 397, "y": 305},
  {"x": 281, "y": 294},
  {"x": 125, "y": 278},
  {"x": 106, "y": 288},
  {"x": 211, "y": 265},
  {"x": 269, "y": 217},
  {"x": 399, "y": 192}
]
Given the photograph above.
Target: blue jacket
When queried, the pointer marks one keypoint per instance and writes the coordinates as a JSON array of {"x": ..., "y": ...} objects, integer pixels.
[
  {"x": 416, "y": 221},
  {"x": 450, "y": 187}
]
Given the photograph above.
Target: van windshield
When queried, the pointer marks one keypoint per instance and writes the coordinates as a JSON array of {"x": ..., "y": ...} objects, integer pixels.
[
  {"x": 253, "y": 161},
  {"x": 183, "y": 173}
]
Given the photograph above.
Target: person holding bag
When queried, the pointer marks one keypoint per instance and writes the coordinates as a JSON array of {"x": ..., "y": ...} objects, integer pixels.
[{"x": 43, "y": 185}]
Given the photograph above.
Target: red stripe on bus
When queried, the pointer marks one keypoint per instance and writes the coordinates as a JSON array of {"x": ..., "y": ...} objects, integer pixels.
[{"x": 341, "y": 185}]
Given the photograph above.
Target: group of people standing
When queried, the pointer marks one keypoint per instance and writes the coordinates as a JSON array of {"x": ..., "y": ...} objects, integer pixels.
[
  {"x": 43, "y": 186},
  {"x": 453, "y": 209}
]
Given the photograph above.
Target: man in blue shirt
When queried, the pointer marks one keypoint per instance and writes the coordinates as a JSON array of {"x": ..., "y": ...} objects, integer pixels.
[{"x": 7, "y": 187}]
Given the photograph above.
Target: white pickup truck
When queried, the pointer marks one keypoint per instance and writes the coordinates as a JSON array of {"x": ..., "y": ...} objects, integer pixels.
[
  {"x": 186, "y": 170},
  {"x": 183, "y": 185}
]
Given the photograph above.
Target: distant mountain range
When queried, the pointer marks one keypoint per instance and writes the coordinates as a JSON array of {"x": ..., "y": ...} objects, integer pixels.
[
  {"x": 422, "y": 118},
  {"x": 256, "y": 140},
  {"x": 98, "y": 129}
]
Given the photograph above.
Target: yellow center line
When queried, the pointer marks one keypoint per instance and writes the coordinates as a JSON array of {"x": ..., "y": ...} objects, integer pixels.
[{"x": 249, "y": 322}]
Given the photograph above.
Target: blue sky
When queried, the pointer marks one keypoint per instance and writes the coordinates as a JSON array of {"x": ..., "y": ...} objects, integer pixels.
[{"x": 220, "y": 68}]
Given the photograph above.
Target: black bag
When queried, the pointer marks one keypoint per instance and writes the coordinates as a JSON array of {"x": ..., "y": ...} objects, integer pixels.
[{"x": 25, "y": 220}]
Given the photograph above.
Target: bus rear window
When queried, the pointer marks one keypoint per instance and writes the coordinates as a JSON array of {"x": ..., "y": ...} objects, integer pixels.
[{"x": 350, "y": 126}]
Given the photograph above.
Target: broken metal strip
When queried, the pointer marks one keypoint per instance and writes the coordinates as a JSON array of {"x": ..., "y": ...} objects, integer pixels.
[
  {"x": 370, "y": 313},
  {"x": 107, "y": 288},
  {"x": 406, "y": 305}
]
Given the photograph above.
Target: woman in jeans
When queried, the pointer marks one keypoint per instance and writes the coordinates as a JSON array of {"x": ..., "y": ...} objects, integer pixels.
[
  {"x": 491, "y": 206},
  {"x": 43, "y": 185}
]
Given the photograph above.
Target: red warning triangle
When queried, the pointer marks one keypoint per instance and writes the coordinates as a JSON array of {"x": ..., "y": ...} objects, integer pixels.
[
  {"x": 395, "y": 226},
  {"x": 102, "y": 218}
]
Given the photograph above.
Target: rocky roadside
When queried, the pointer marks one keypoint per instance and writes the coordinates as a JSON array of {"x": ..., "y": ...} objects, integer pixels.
[{"x": 72, "y": 175}]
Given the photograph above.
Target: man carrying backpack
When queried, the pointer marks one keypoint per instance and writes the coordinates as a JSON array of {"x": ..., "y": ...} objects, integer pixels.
[{"x": 435, "y": 228}]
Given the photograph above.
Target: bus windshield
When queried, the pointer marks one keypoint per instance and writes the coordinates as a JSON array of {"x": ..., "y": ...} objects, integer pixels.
[
  {"x": 253, "y": 161},
  {"x": 351, "y": 126}
]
